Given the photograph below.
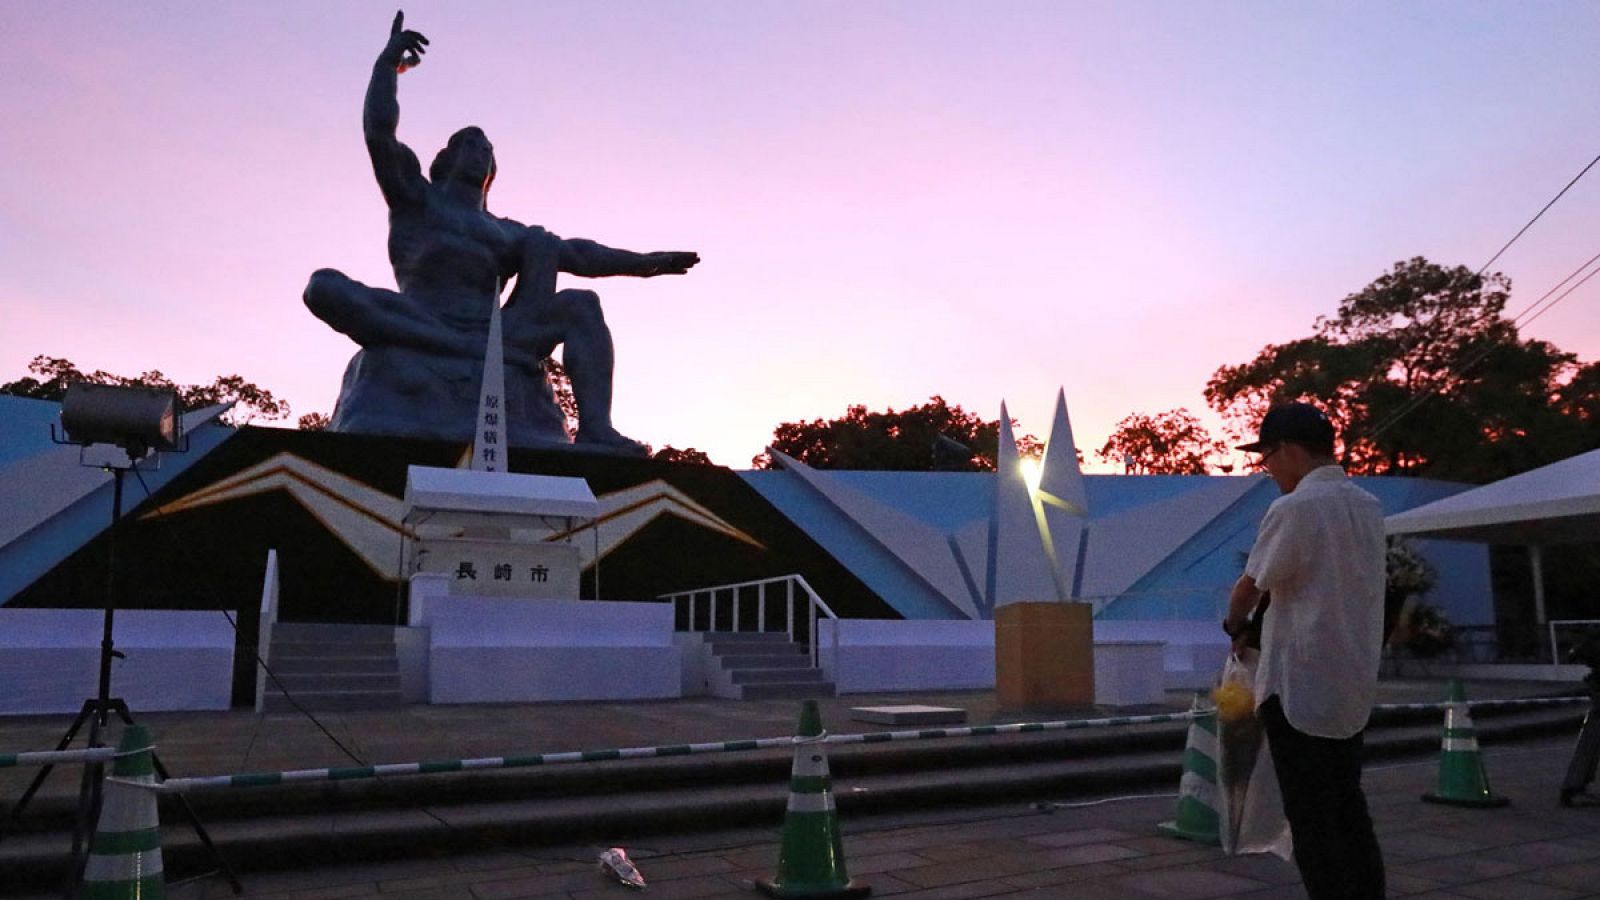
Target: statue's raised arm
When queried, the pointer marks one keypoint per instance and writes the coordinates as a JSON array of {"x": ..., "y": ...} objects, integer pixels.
[{"x": 395, "y": 165}]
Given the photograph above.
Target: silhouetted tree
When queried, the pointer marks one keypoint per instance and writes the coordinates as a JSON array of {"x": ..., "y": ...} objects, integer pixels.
[
  {"x": 1167, "y": 443},
  {"x": 1424, "y": 375},
  {"x": 899, "y": 440},
  {"x": 670, "y": 453},
  {"x": 51, "y": 375},
  {"x": 561, "y": 387}
]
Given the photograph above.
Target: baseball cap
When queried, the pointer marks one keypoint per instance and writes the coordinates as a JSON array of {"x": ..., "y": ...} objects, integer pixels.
[{"x": 1301, "y": 423}]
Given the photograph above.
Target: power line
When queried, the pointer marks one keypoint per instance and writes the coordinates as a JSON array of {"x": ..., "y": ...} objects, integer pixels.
[
  {"x": 1538, "y": 215},
  {"x": 1551, "y": 305},
  {"x": 1522, "y": 318}
]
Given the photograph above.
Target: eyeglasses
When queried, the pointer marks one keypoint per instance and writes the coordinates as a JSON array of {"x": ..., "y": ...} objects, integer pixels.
[{"x": 1262, "y": 462}]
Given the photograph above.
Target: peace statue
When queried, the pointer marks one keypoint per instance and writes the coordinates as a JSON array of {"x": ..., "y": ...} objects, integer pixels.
[{"x": 422, "y": 347}]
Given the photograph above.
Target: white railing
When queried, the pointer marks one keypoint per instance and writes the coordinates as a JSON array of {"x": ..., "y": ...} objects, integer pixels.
[
  {"x": 736, "y": 598},
  {"x": 269, "y": 617},
  {"x": 1555, "y": 651}
]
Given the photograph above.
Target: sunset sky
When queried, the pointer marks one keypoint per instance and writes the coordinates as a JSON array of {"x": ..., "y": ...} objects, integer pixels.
[{"x": 891, "y": 199}]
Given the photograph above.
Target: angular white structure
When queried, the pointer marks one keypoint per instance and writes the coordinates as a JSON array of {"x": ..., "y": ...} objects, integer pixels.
[
  {"x": 1018, "y": 567},
  {"x": 1063, "y": 503},
  {"x": 922, "y": 549}
]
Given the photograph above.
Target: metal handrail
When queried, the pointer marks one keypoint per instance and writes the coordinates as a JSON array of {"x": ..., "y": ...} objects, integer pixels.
[
  {"x": 1555, "y": 652},
  {"x": 815, "y": 606}
]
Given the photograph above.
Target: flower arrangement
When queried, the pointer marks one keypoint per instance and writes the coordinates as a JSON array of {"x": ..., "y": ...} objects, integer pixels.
[
  {"x": 1428, "y": 631},
  {"x": 1422, "y": 629},
  {"x": 1408, "y": 571}
]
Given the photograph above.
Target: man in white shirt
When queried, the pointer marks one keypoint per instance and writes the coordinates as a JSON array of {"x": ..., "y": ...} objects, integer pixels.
[{"x": 1320, "y": 553}]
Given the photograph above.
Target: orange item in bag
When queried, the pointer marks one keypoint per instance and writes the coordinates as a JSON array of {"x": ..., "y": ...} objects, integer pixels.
[{"x": 1234, "y": 701}]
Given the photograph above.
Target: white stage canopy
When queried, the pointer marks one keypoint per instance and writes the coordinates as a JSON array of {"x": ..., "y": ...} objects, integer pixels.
[
  {"x": 1554, "y": 504},
  {"x": 465, "y": 497}
]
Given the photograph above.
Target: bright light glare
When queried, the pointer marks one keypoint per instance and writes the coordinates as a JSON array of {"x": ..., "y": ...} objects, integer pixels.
[{"x": 1032, "y": 472}]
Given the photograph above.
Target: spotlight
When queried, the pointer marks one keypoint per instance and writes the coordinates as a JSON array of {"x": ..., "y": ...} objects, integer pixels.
[
  {"x": 136, "y": 419},
  {"x": 1032, "y": 473}
]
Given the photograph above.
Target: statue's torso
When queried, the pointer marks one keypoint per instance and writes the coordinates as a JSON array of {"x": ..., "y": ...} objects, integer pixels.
[{"x": 451, "y": 257}]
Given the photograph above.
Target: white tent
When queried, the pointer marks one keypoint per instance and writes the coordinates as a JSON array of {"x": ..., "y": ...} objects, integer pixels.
[{"x": 1554, "y": 504}]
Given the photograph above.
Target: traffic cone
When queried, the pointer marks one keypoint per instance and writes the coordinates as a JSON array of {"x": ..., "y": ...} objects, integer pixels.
[
  {"x": 125, "y": 854},
  {"x": 811, "y": 862},
  {"x": 1197, "y": 818},
  {"x": 1462, "y": 780}
]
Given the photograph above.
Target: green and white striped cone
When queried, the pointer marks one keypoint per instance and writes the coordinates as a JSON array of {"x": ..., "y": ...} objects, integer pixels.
[
  {"x": 811, "y": 862},
  {"x": 1462, "y": 780},
  {"x": 1197, "y": 818},
  {"x": 125, "y": 853}
]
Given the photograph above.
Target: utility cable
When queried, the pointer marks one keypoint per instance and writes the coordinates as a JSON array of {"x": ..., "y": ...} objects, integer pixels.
[
  {"x": 1478, "y": 356},
  {"x": 1538, "y": 215},
  {"x": 1405, "y": 409}
]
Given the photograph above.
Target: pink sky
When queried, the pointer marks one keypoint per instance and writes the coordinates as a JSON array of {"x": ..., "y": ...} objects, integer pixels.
[{"x": 892, "y": 200}]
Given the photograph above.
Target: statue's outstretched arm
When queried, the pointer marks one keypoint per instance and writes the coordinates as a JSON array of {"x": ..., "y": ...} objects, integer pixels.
[
  {"x": 396, "y": 167},
  {"x": 580, "y": 256}
]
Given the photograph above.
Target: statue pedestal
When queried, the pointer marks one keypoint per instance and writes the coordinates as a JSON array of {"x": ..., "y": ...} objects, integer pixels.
[
  {"x": 1043, "y": 655},
  {"x": 484, "y": 649},
  {"x": 406, "y": 392}
]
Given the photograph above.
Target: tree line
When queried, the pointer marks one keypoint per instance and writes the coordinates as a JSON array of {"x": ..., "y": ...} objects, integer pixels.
[{"x": 1422, "y": 371}]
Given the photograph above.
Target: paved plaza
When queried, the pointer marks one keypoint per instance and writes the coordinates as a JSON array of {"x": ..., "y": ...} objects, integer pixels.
[
  {"x": 1093, "y": 846},
  {"x": 1098, "y": 849},
  {"x": 210, "y": 743}
]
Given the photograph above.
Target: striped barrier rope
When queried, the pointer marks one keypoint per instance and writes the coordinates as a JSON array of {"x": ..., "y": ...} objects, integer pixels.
[
  {"x": 57, "y": 757},
  {"x": 878, "y": 737},
  {"x": 353, "y": 773},
  {"x": 1478, "y": 704},
  {"x": 357, "y": 773}
]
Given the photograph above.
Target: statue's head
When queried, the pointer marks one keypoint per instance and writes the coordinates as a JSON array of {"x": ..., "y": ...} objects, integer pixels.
[{"x": 467, "y": 156}]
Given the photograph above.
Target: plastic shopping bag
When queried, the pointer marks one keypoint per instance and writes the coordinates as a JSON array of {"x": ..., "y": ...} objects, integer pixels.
[{"x": 1252, "y": 808}]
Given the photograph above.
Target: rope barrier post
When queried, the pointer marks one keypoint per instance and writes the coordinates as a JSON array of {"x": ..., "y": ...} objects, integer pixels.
[
  {"x": 125, "y": 853},
  {"x": 811, "y": 860},
  {"x": 1197, "y": 817},
  {"x": 1462, "y": 779}
]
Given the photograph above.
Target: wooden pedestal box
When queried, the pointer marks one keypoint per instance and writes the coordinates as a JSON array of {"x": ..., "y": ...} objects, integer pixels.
[{"x": 1044, "y": 655}]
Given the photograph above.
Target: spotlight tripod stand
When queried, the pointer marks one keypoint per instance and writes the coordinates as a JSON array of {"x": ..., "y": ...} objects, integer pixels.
[{"x": 96, "y": 713}]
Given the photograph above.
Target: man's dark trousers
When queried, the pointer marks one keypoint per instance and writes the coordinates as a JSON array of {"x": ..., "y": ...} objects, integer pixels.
[{"x": 1320, "y": 779}]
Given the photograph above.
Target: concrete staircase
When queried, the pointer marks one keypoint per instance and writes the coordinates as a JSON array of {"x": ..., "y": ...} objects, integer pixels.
[
  {"x": 333, "y": 668},
  {"x": 767, "y": 666}
]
